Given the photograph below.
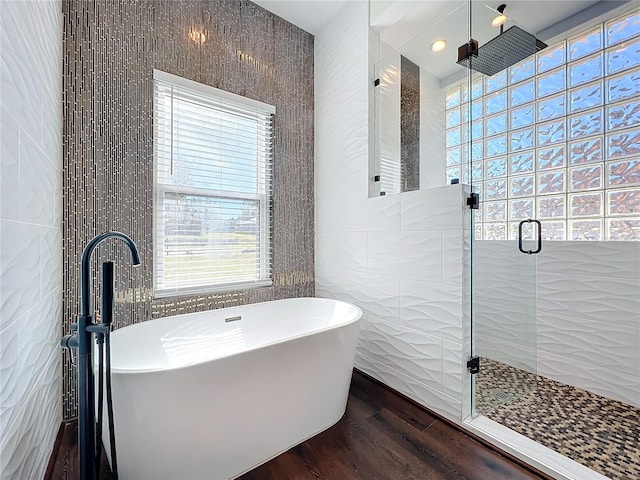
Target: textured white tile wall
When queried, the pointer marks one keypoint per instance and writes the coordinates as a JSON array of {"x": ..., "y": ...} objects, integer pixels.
[
  {"x": 30, "y": 235},
  {"x": 399, "y": 257},
  {"x": 571, "y": 313},
  {"x": 432, "y": 139}
]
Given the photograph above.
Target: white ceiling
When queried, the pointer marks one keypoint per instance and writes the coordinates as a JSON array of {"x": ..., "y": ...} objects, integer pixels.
[
  {"x": 448, "y": 20},
  {"x": 410, "y": 26},
  {"x": 310, "y": 15}
]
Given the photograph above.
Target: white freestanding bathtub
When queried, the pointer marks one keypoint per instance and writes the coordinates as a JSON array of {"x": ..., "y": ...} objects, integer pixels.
[{"x": 209, "y": 395}]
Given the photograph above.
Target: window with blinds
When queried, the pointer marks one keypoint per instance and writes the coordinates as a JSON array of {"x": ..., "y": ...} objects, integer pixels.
[{"x": 212, "y": 181}]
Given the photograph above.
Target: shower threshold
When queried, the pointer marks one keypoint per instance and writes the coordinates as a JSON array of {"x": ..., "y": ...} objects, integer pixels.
[{"x": 537, "y": 455}]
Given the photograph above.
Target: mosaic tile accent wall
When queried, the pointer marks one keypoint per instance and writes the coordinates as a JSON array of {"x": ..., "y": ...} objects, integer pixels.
[
  {"x": 110, "y": 51},
  {"x": 409, "y": 124}
]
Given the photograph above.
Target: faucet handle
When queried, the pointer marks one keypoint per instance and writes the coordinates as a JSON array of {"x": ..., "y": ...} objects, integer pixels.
[
  {"x": 71, "y": 356},
  {"x": 74, "y": 327},
  {"x": 69, "y": 342}
]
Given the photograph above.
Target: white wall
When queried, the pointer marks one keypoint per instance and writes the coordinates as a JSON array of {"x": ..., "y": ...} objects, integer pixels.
[
  {"x": 399, "y": 257},
  {"x": 571, "y": 313},
  {"x": 30, "y": 234}
]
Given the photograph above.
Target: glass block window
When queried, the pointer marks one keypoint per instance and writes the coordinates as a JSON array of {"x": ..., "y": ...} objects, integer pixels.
[{"x": 555, "y": 137}]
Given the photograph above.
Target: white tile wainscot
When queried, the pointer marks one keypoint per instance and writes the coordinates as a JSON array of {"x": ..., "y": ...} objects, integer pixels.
[{"x": 411, "y": 292}]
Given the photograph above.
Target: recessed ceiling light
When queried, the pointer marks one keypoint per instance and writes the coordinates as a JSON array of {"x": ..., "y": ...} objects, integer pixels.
[
  {"x": 500, "y": 19},
  {"x": 438, "y": 45}
]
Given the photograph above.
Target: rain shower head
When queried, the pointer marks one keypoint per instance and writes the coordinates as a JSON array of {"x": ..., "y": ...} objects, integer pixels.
[{"x": 500, "y": 52}]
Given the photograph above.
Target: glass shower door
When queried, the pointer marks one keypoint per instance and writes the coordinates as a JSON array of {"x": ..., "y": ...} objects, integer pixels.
[{"x": 505, "y": 241}]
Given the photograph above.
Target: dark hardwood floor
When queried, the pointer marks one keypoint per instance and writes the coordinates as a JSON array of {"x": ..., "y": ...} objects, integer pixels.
[
  {"x": 383, "y": 436},
  {"x": 65, "y": 466}
]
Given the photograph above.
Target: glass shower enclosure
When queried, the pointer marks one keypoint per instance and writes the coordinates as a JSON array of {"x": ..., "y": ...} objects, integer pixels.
[
  {"x": 550, "y": 144},
  {"x": 538, "y": 114}
]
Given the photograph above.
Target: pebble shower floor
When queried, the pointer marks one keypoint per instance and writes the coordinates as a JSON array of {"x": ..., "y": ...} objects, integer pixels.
[{"x": 593, "y": 430}]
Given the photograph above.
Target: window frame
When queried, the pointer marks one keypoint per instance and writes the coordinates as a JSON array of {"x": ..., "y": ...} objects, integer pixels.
[{"x": 264, "y": 200}]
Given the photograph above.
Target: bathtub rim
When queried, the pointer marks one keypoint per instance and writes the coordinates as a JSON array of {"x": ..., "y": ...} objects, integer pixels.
[{"x": 358, "y": 314}]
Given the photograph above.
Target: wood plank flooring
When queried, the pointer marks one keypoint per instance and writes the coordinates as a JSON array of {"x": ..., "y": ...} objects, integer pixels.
[
  {"x": 382, "y": 436},
  {"x": 65, "y": 466}
]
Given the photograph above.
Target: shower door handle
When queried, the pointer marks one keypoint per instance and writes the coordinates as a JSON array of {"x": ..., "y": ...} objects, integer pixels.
[{"x": 537, "y": 250}]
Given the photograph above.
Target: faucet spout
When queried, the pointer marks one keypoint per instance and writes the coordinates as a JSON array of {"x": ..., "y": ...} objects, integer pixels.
[{"x": 85, "y": 288}]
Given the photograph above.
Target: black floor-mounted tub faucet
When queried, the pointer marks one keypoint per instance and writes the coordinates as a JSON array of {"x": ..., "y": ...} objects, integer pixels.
[{"x": 84, "y": 329}]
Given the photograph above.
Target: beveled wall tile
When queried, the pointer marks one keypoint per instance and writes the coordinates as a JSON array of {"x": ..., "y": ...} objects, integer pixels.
[
  {"x": 10, "y": 167},
  {"x": 585, "y": 296},
  {"x": 615, "y": 299},
  {"x": 507, "y": 323},
  {"x": 26, "y": 445},
  {"x": 19, "y": 79},
  {"x": 375, "y": 294},
  {"x": 110, "y": 51},
  {"x": 436, "y": 400},
  {"x": 356, "y": 212},
  {"x": 516, "y": 355},
  {"x": 556, "y": 367},
  {"x": 27, "y": 345},
  {"x": 344, "y": 251},
  {"x": 452, "y": 256},
  {"x": 414, "y": 255},
  {"x": 342, "y": 96},
  {"x": 12, "y": 387},
  {"x": 598, "y": 343},
  {"x": 432, "y": 209},
  {"x": 20, "y": 260},
  {"x": 505, "y": 286},
  {"x": 609, "y": 259},
  {"x": 610, "y": 383},
  {"x": 555, "y": 292},
  {"x": 350, "y": 179},
  {"x": 489, "y": 254},
  {"x": 431, "y": 308},
  {"x": 452, "y": 368},
  {"x": 413, "y": 353},
  {"x": 37, "y": 181}
]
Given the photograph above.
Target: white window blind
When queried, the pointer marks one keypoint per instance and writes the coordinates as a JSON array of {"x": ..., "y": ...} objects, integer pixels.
[{"x": 212, "y": 180}]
